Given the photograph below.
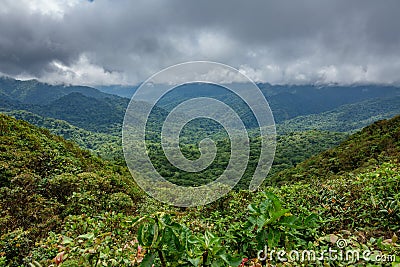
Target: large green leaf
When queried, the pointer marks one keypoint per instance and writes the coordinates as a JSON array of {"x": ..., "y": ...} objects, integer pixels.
[{"x": 148, "y": 260}]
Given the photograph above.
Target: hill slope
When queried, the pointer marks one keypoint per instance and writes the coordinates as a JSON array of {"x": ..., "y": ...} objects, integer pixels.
[
  {"x": 290, "y": 101},
  {"x": 286, "y": 101},
  {"x": 346, "y": 118},
  {"x": 93, "y": 110},
  {"x": 57, "y": 200},
  {"x": 82, "y": 106},
  {"x": 38, "y": 93},
  {"x": 105, "y": 145},
  {"x": 375, "y": 144},
  {"x": 44, "y": 178}
]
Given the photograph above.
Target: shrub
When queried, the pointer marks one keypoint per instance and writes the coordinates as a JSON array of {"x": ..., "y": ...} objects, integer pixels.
[
  {"x": 120, "y": 202},
  {"x": 13, "y": 246}
]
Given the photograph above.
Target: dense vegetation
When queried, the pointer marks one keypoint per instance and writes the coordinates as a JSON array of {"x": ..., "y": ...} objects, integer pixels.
[
  {"x": 74, "y": 203},
  {"x": 44, "y": 178},
  {"x": 291, "y": 101},
  {"x": 37, "y": 93},
  {"x": 291, "y": 148},
  {"x": 373, "y": 145},
  {"x": 93, "y": 110},
  {"x": 107, "y": 146},
  {"x": 286, "y": 101},
  {"x": 81, "y": 106},
  {"x": 346, "y": 118},
  {"x": 61, "y": 205}
]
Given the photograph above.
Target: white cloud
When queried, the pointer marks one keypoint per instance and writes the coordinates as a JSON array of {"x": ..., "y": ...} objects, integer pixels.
[
  {"x": 82, "y": 72},
  {"x": 52, "y": 8}
]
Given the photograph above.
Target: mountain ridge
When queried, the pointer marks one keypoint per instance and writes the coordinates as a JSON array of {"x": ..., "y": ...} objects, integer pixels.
[{"x": 39, "y": 93}]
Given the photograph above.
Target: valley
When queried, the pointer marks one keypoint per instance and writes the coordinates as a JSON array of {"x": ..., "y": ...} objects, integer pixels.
[{"x": 67, "y": 197}]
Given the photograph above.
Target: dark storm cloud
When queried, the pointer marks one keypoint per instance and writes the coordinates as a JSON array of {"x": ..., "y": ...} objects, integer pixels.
[{"x": 278, "y": 41}]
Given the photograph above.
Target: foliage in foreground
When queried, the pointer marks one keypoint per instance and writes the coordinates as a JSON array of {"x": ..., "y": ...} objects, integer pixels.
[
  {"x": 114, "y": 239},
  {"x": 234, "y": 229}
]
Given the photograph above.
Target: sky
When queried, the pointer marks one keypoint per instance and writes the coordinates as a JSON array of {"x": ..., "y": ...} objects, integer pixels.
[{"x": 104, "y": 42}]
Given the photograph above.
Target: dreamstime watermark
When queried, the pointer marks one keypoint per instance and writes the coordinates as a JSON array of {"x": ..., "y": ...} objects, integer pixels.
[
  {"x": 135, "y": 132},
  {"x": 332, "y": 254}
]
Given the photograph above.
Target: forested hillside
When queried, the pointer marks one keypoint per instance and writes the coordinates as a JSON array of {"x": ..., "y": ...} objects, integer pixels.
[
  {"x": 199, "y": 133},
  {"x": 51, "y": 169},
  {"x": 44, "y": 178},
  {"x": 291, "y": 148},
  {"x": 346, "y": 118},
  {"x": 295, "y": 108},
  {"x": 61, "y": 205},
  {"x": 108, "y": 146},
  {"x": 286, "y": 101},
  {"x": 38, "y": 93},
  {"x": 81, "y": 106},
  {"x": 64, "y": 205},
  {"x": 373, "y": 145}
]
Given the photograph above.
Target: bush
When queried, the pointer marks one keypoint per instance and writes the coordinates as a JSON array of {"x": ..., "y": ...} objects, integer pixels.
[
  {"x": 13, "y": 245},
  {"x": 120, "y": 202},
  {"x": 85, "y": 202},
  {"x": 62, "y": 186}
]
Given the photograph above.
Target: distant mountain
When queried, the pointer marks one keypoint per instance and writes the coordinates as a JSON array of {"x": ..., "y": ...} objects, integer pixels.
[
  {"x": 96, "y": 111},
  {"x": 286, "y": 101},
  {"x": 120, "y": 90},
  {"x": 346, "y": 118},
  {"x": 93, "y": 114},
  {"x": 82, "y": 106},
  {"x": 35, "y": 92},
  {"x": 289, "y": 102}
]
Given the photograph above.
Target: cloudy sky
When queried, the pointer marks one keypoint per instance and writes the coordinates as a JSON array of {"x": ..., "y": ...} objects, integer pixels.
[{"x": 125, "y": 41}]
